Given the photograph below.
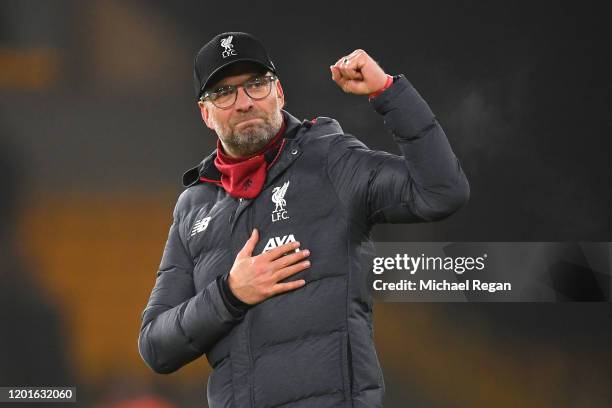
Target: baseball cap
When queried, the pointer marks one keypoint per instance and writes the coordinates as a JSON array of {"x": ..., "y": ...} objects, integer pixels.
[{"x": 224, "y": 50}]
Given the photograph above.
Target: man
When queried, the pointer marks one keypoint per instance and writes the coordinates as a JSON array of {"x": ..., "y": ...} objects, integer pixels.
[{"x": 262, "y": 269}]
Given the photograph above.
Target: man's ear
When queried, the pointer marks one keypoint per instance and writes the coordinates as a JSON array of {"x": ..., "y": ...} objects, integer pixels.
[
  {"x": 280, "y": 94},
  {"x": 205, "y": 114}
]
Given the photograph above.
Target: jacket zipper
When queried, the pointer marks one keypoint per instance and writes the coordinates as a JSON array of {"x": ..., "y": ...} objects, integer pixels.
[{"x": 231, "y": 217}]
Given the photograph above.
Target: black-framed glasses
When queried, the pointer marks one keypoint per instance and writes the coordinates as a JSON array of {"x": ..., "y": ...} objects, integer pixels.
[{"x": 256, "y": 88}]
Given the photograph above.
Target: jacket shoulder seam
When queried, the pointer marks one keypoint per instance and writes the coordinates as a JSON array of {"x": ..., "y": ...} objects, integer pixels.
[
  {"x": 178, "y": 218},
  {"x": 334, "y": 137}
]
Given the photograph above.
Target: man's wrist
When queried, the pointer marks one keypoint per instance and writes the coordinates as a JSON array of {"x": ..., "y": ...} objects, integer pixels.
[
  {"x": 383, "y": 89},
  {"x": 236, "y": 306}
]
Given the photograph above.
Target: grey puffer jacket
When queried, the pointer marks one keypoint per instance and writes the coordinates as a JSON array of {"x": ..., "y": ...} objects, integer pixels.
[{"x": 312, "y": 347}]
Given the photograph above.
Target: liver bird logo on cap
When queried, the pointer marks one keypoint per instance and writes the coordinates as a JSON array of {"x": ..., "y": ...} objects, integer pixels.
[{"x": 226, "y": 43}]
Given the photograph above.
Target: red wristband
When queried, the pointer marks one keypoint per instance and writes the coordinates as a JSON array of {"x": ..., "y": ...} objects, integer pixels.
[{"x": 384, "y": 88}]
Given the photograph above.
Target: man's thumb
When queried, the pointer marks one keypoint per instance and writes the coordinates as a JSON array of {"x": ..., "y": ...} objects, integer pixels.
[{"x": 249, "y": 246}]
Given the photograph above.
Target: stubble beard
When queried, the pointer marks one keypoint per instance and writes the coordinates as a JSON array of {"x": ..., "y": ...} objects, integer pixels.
[{"x": 249, "y": 139}]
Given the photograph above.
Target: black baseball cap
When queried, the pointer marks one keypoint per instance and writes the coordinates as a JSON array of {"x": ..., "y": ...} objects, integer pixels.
[{"x": 224, "y": 50}]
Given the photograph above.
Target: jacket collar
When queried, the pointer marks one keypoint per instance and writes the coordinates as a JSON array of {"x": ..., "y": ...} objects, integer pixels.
[{"x": 207, "y": 168}]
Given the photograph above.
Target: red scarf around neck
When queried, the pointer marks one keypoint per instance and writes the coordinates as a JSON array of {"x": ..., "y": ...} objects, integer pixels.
[{"x": 244, "y": 177}]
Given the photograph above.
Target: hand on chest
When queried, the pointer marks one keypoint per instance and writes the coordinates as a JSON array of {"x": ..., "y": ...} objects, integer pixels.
[{"x": 290, "y": 209}]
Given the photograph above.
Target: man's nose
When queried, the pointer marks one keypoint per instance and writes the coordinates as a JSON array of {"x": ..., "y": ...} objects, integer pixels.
[{"x": 243, "y": 101}]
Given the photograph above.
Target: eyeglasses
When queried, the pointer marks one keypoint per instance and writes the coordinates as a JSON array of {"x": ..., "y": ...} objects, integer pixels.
[{"x": 225, "y": 96}]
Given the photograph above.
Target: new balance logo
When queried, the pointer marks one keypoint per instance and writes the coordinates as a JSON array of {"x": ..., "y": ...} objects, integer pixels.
[
  {"x": 278, "y": 241},
  {"x": 200, "y": 226}
]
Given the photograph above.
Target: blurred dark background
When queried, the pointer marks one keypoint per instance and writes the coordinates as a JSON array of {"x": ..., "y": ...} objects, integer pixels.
[{"x": 98, "y": 121}]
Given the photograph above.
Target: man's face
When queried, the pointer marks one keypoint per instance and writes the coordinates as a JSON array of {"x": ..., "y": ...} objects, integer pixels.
[{"x": 245, "y": 127}]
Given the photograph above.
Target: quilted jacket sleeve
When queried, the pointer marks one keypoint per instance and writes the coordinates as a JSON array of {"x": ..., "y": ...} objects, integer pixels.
[
  {"x": 426, "y": 183},
  {"x": 178, "y": 324}
]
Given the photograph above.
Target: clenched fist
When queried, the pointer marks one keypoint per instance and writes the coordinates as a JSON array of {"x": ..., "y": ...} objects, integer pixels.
[
  {"x": 358, "y": 73},
  {"x": 255, "y": 278}
]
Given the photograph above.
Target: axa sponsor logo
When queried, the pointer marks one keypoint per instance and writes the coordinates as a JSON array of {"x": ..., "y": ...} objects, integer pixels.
[
  {"x": 278, "y": 241},
  {"x": 200, "y": 225},
  {"x": 278, "y": 198}
]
